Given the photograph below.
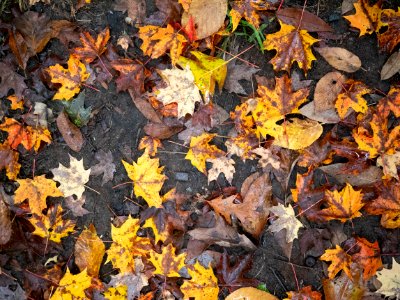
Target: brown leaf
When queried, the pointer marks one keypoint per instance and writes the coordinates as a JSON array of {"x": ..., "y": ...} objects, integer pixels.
[
  {"x": 9, "y": 79},
  {"x": 309, "y": 21},
  {"x": 71, "y": 134},
  {"x": 136, "y": 9},
  {"x": 5, "y": 222},
  {"x": 9, "y": 161},
  {"x": 105, "y": 166},
  {"x": 131, "y": 75},
  {"x": 391, "y": 67},
  {"x": 92, "y": 48},
  {"x": 76, "y": 205},
  {"x": 161, "y": 130},
  {"x": 144, "y": 107},
  {"x": 340, "y": 58},
  {"x": 238, "y": 72},
  {"x": 327, "y": 90}
]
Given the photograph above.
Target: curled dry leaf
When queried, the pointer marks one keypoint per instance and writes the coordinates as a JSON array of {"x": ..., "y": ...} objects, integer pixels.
[
  {"x": 71, "y": 134},
  {"x": 327, "y": 90},
  {"x": 340, "y": 58},
  {"x": 391, "y": 67}
]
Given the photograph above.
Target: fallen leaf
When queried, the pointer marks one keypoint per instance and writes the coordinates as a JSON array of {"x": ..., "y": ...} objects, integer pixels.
[
  {"x": 221, "y": 164},
  {"x": 36, "y": 190},
  {"x": 286, "y": 220},
  {"x": 306, "y": 293},
  {"x": 92, "y": 48},
  {"x": 391, "y": 67},
  {"x": 89, "y": 251},
  {"x": 82, "y": 3},
  {"x": 352, "y": 97},
  {"x": 72, "y": 286},
  {"x": 340, "y": 58},
  {"x": 389, "y": 163},
  {"x": 5, "y": 222},
  {"x": 76, "y": 206},
  {"x": 250, "y": 293},
  {"x": 9, "y": 161},
  {"x": 235, "y": 73},
  {"x": 161, "y": 130},
  {"x": 291, "y": 45},
  {"x": 343, "y": 287},
  {"x": 347, "y": 5},
  {"x": 71, "y": 134},
  {"x": 167, "y": 263},
  {"x": 201, "y": 12},
  {"x": 366, "y": 18},
  {"x": 327, "y": 90},
  {"x": 11, "y": 80},
  {"x": 136, "y": 9},
  {"x": 340, "y": 261},
  {"x": 70, "y": 79},
  {"x": 16, "y": 103},
  {"x": 131, "y": 76},
  {"x": 105, "y": 166},
  {"x": 147, "y": 179},
  {"x": 76, "y": 110},
  {"x": 144, "y": 107},
  {"x": 390, "y": 38},
  {"x": 302, "y": 19},
  {"x": 390, "y": 279},
  {"x": 368, "y": 257},
  {"x": 267, "y": 158},
  {"x": 72, "y": 179},
  {"x": 150, "y": 145}
]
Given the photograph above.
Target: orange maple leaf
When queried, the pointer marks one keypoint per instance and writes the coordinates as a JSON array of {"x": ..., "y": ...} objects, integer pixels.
[
  {"x": 306, "y": 293},
  {"x": 9, "y": 161},
  {"x": 352, "y": 97},
  {"x": 390, "y": 103},
  {"x": 157, "y": 41},
  {"x": 366, "y": 18},
  {"x": 291, "y": 45},
  {"x": 27, "y": 136},
  {"x": 340, "y": 261},
  {"x": 389, "y": 39},
  {"x": 92, "y": 48},
  {"x": 150, "y": 145},
  {"x": 368, "y": 257}
]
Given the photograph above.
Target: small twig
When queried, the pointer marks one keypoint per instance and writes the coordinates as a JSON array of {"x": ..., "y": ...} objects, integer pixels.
[
  {"x": 121, "y": 184},
  {"x": 241, "y": 59},
  {"x": 92, "y": 189}
]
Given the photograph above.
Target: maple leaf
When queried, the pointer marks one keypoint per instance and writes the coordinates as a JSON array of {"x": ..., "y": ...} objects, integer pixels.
[
  {"x": 11, "y": 80},
  {"x": 387, "y": 205},
  {"x": 132, "y": 75},
  {"x": 158, "y": 236},
  {"x": 52, "y": 226},
  {"x": 291, "y": 45},
  {"x": 167, "y": 263},
  {"x": 36, "y": 190},
  {"x": 105, "y": 166},
  {"x": 267, "y": 158},
  {"x": 70, "y": 78},
  {"x": 242, "y": 145},
  {"x": 202, "y": 285},
  {"x": 207, "y": 71},
  {"x": 116, "y": 293},
  {"x": 366, "y": 18},
  {"x": 343, "y": 205},
  {"x": 352, "y": 97},
  {"x": 76, "y": 205},
  {"x": 27, "y": 136},
  {"x": 389, "y": 39},
  {"x": 150, "y": 145},
  {"x": 72, "y": 286},
  {"x": 221, "y": 164},
  {"x": 15, "y": 102},
  {"x": 136, "y": 9},
  {"x": 92, "y": 48},
  {"x": 391, "y": 102},
  {"x": 306, "y": 293},
  {"x": 126, "y": 245},
  {"x": 200, "y": 150},
  {"x": 147, "y": 179},
  {"x": 9, "y": 161},
  {"x": 180, "y": 89},
  {"x": 390, "y": 279},
  {"x": 286, "y": 220},
  {"x": 368, "y": 257},
  {"x": 157, "y": 41},
  {"x": 72, "y": 179},
  {"x": 89, "y": 251},
  {"x": 235, "y": 73},
  {"x": 340, "y": 261}
]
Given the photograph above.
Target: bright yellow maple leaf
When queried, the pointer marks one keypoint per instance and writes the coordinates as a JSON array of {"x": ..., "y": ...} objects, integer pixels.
[
  {"x": 36, "y": 190},
  {"x": 117, "y": 293},
  {"x": 291, "y": 45},
  {"x": 366, "y": 18},
  {"x": 127, "y": 245},
  {"x": 200, "y": 150},
  {"x": 52, "y": 226},
  {"x": 167, "y": 263},
  {"x": 70, "y": 79},
  {"x": 202, "y": 285},
  {"x": 158, "y": 236},
  {"x": 340, "y": 261},
  {"x": 344, "y": 205},
  {"x": 72, "y": 287},
  {"x": 352, "y": 97},
  {"x": 207, "y": 71},
  {"x": 157, "y": 41},
  {"x": 147, "y": 179}
]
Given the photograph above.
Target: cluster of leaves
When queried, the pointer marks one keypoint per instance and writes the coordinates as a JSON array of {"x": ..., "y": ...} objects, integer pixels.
[{"x": 277, "y": 125}]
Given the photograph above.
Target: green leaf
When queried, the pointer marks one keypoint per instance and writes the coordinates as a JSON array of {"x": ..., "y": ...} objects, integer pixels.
[{"x": 76, "y": 110}]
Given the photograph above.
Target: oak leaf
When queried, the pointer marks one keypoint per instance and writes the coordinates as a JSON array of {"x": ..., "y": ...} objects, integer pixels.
[
  {"x": 390, "y": 279},
  {"x": 72, "y": 179},
  {"x": 150, "y": 145},
  {"x": 340, "y": 261},
  {"x": 132, "y": 75},
  {"x": 200, "y": 150},
  {"x": 291, "y": 45},
  {"x": 52, "y": 226},
  {"x": 167, "y": 263},
  {"x": 202, "y": 285},
  {"x": 92, "y": 48},
  {"x": 286, "y": 220},
  {"x": 147, "y": 179},
  {"x": 36, "y": 190},
  {"x": 9, "y": 161},
  {"x": 366, "y": 18},
  {"x": 352, "y": 97},
  {"x": 344, "y": 205},
  {"x": 127, "y": 245},
  {"x": 389, "y": 39},
  {"x": 157, "y": 41},
  {"x": 70, "y": 79},
  {"x": 89, "y": 251},
  {"x": 72, "y": 286},
  {"x": 221, "y": 164}
]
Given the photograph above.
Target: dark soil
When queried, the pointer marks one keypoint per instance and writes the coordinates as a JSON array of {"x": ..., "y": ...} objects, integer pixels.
[{"x": 118, "y": 126}]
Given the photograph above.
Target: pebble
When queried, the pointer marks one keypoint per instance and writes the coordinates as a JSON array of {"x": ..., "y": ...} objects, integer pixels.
[{"x": 181, "y": 176}]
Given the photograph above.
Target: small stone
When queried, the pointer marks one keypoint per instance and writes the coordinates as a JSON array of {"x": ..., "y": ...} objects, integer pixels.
[{"x": 181, "y": 176}]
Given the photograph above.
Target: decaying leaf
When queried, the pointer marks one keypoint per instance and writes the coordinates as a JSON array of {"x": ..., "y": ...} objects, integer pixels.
[
  {"x": 167, "y": 263},
  {"x": 302, "y": 19},
  {"x": 340, "y": 58},
  {"x": 76, "y": 205},
  {"x": 221, "y": 164},
  {"x": 131, "y": 76},
  {"x": 150, "y": 145},
  {"x": 368, "y": 257},
  {"x": 391, "y": 67},
  {"x": 92, "y": 48},
  {"x": 72, "y": 179},
  {"x": 389, "y": 163},
  {"x": 76, "y": 110},
  {"x": 71, "y": 134},
  {"x": 136, "y": 9},
  {"x": 105, "y": 166},
  {"x": 390, "y": 38},
  {"x": 5, "y": 222},
  {"x": 72, "y": 286},
  {"x": 327, "y": 90},
  {"x": 11, "y": 80},
  {"x": 235, "y": 73},
  {"x": 306, "y": 293},
  {"x": 267, "y": 158},
  {"x": 286, "y": 220},
  {"x": 390, "y": 279}
]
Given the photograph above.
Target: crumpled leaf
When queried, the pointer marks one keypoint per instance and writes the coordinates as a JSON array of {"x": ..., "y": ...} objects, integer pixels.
[
  {"x": 352, "y": 97},
  {"x": 340, "y": 261},
  {"x": 286, "y": 220},
  {"x": 72, "y": 286},
  {"x": 167, "y": 263},
  {"x": 202, "y": 285},
  {"x": 92, "y": 48},
  {"x": 291, "y": 45},
  {"x": 340, "y": 58},
  {"x": 221, "y": 164},
  {"x": 147, "y": 179},
  {"x": 36, "y": 190},
  {"x": 70, "y": 78},
  {"x": 72, "y": 179},
  {"x": 390, "y": 279},
  {"x": 9, "y": 161},
  {"x": 235, "y": 73},
  {"x": 200, "y": 150},
  {"x": 105, "y": 166},
  {"x": 366, "y": 18}
]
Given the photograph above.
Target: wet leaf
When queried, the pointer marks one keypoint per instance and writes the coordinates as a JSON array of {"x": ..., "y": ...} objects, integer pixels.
[
  {"x": 303, "y": 19},
  {"x": 72, "y": 286},
  {"x": 390, "y": 38},
  {"x": 76, "y": 110},
  {"x": 368, "y": 257},
  {"x": 167, "y": 263},
  {"x": 286, "y": 220},
  {"x": 367, "y": 18},
  {"x": 339, "y": 259},
  {"x": 131, "y": 76},
  {"x": 71, "y": 134},
  {"x": 92, "y": 48},
  {"x": 340, "y": 58},
  {"x": 391, "y": 67},
  {"x": 352, "y": 97},
  {"x": 9, "y": 161}
]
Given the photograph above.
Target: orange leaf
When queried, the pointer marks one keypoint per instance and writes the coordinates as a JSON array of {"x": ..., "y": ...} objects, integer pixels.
[
  {"x": 389, "y": 39},
  {"x": 340, "y": 261},
  {"x": 366, "y": 18},
  {"x": 292, "y": 45},
  {"x": 306, "y": 293},
  {"x": 368, "y": 257},
  {"x": 92, "y": 48},
  {"x": 9, "y": 161},
  {"x": 150, "y": 145},
  {"x": 15, "y": 102},
  {"x": 352, "y": 97}
]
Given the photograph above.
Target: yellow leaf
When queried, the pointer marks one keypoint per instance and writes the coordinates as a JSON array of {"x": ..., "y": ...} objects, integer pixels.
[
  {"x": 117, "y": 293},
  {"x": 89, "y": 251},
  {"x": 70, "y": 78},
  {"x": 340, "y": 261},
  {"x": 292, "y": 45},
  {"x": 352, "y": 97},
  {"x": 200, "y": 150},
  {"x": 207, "y": 71},
  {"x": 247, "y": 9},
  {"x": 72, "y": 287},
  {"x": 202, "y": 285},
  {"x": 150, "y": 145},
  {"x": 15, "y": 102},
  {"x": 52, "y": 226},
  {"x": 366, "y": 18},
  {"x": 127, "y": 245},
  {"x": 167, "y": 263},
  {"x": 9, "y": 161},
  {"x": 250, "y": 293},
  {"x": 147, "y": 179},
  {"x": 158, "y": 236},
  {"x": 36, "y": 190},
  {"x": 157, "y": 41}
]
